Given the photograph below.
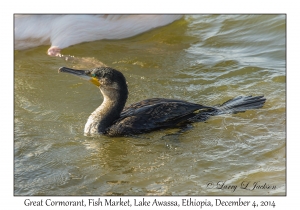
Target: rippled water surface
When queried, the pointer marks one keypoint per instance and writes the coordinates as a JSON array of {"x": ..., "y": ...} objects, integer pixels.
[{"x": 206, "y": 59}]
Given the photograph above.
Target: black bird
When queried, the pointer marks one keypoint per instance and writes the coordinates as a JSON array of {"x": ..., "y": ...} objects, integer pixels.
[{"x": 112, "y": 119}]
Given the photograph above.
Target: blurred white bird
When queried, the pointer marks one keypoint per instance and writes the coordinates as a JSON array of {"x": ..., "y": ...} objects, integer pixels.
[{"x": 61, "y": 31}]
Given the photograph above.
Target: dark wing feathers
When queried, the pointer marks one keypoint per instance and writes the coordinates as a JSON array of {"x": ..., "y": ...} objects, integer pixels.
[
  {"x": 153, "y": 114},
  {"x": 127, "y": 111}
]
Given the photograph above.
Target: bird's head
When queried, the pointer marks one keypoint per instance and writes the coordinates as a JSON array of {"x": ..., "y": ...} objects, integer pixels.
[{"x": 109, "y": 80}]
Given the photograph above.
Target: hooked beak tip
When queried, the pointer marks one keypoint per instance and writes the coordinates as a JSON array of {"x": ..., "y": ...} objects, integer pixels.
[{"x": 60, "y": 69}]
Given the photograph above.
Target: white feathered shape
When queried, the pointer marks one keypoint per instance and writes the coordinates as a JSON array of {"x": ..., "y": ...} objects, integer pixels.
[{"x": 61, "y": 31}]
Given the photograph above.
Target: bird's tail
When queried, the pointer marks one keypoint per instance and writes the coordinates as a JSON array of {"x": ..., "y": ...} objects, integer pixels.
[
  {"x": 240, "y": 104},
  {"x": 235, "y": 105}
]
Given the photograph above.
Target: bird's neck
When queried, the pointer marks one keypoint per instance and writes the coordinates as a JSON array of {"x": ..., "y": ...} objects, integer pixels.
[{"x": 105, "y": 115}]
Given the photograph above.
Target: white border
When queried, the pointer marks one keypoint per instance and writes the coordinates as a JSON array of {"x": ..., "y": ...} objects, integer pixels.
[{"x": 153, "y": 6}]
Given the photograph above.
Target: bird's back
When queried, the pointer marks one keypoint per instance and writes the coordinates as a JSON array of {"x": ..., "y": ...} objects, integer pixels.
[{"x": 153, "y": 114}]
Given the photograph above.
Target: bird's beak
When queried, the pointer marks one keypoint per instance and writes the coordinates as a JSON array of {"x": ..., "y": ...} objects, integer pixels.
[{"x": 84, "y": 74}]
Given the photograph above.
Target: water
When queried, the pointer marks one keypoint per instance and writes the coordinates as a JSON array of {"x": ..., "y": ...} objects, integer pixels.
[{"x": 206, "y": 59}]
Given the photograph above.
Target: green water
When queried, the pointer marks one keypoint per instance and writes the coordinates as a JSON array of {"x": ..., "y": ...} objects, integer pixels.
[{"x": 206, "y": 59}]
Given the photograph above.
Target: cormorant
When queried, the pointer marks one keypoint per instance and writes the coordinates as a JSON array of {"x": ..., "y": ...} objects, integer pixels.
[{"x": 112, "y": 119}]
